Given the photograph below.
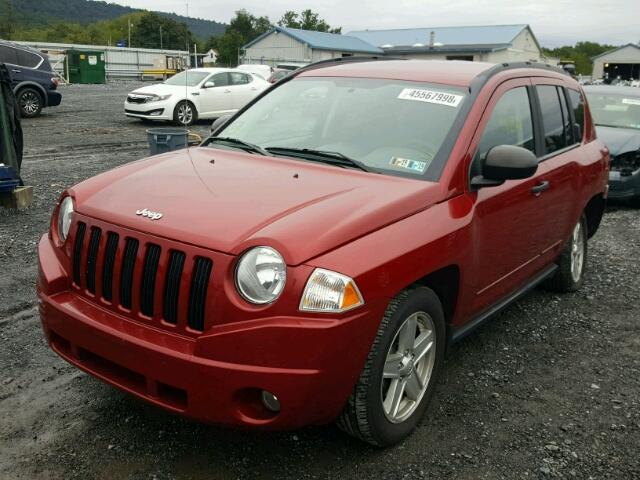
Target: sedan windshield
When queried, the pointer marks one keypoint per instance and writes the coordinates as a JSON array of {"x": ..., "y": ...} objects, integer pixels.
[
  {"x": 615, "y": 110},
  {"x": 187, "y": 78},
  {"x": 386, "y": 126}
]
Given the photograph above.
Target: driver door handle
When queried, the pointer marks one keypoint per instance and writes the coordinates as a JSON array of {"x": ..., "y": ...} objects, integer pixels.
[
  {"x": 540, "y": 187},
  {"x": 16, "y": 70},
  {"x": 227, "y": 91}
]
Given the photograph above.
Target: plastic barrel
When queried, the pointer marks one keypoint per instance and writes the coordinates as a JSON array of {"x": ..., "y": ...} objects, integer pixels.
[{"x": 163, "y": 140}]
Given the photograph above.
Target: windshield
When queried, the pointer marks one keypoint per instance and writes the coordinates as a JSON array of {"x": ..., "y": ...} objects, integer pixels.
[
  {"x": 389, "y": 126},
  {"x": 187, "y": 78},
  {"x": 615, "y": 110}
]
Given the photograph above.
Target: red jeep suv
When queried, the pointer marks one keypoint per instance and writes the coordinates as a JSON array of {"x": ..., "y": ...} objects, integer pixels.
[{"x": 312, "y": 260}]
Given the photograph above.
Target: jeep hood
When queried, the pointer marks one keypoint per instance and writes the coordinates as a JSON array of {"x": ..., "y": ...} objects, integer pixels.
[
  {"x": 228, "y": 201},
  {"x": 619, "y": 140}
]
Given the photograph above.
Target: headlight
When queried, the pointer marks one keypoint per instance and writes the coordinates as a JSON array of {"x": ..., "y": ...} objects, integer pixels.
[
  {"x": 159, "y": 98},
  {"x": 261, "y": 275},
  {"x": 328, "y": 291},
  {"x": 64, "y": 218}
]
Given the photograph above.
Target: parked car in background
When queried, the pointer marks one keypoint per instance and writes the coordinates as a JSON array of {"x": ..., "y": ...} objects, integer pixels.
[
  {"x": 33, "y": 80},
  {"x": 194, "y": 94},
  {"x": 278, "y": 74},
  {"x": 616, "y": 113},
  {"x": 313, "y": 259},
  {"x": 263, "y": 71}
]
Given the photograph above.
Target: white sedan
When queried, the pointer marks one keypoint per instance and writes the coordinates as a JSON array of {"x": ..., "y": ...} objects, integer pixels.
[{"x": 193, "y": 94}]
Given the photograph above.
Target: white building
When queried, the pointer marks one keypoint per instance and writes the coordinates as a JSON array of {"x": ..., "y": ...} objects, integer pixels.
[
  {"x": 623, "y": 62},
  {"x": 490, "y": 43},
  {"x": 294, "y": 46}
]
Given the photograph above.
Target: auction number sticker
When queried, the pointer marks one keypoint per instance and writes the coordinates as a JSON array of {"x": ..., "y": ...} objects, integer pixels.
[
  {"x": 431, "y": 96},
  {"x": 415, "y": 165},
  {"x": 631, "y": 101}
]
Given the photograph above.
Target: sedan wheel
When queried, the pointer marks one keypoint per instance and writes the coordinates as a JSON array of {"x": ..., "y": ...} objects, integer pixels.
[{"x": 185, "y": 114}]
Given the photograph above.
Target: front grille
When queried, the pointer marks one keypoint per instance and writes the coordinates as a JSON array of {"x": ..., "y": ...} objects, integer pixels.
[
  {"x": 131, "y": 99},
  {"x": 150, "y": 278}
]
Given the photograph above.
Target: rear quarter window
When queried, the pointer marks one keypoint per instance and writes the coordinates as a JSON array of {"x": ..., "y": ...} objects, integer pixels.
[
  {"x": 28, "y": 59},
  {"x": 577, "y": 104},
  {"x": 553, "y": 121}
]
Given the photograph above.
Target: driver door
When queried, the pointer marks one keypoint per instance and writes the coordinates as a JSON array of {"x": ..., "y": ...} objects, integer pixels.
[{"x": 216, "y": 100}]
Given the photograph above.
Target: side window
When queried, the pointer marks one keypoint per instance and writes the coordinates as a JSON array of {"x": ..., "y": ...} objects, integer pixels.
[
  {"x": 552, "y": 119},
  {"x": 221, "y": 79},
  {"x": 510, "y": 123},
  {"x": 8, "y": 55},
  {"x": 27, "y": 59},
  {"x": 577, "y": 104},
  {"x": 566, "y": 119},
  {"x": 238, "y": 78}
]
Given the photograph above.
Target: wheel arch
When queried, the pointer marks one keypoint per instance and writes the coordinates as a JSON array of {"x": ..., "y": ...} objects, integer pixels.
[
  {"x": 445, "y": 282},
  {"x": 35, "y": 86},
  {"x": 594, "y": 211}
]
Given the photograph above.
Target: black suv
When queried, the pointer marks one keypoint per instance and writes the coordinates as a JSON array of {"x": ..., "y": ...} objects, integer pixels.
[{"x": 33, "y": 80}]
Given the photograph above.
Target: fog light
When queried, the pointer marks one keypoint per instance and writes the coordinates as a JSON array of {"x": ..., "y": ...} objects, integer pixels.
[
  {"x": 270, "y": 401},
  {"x": 155, "y": 113}
]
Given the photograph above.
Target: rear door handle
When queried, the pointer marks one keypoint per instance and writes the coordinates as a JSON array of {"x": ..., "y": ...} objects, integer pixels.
[
  {"x": 15, "y": 70},
  {"x": 227, "y": 91},
  {"x": 540, "y": 187}
]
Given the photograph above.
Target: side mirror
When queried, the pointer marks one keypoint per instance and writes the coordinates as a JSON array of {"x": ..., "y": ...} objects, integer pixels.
[
  {"x": 506, "y": 162},
  {"x": 209, "y": 84},
  {"x": 219, "y": 122}
]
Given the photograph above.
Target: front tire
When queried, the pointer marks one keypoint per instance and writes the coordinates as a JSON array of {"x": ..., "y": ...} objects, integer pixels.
[
  {"x": 30, "y": 102},
  {"x": 185, "y": 113},
  {"x": 401, "y": 371},
  {"x": 572, "y": 262}
]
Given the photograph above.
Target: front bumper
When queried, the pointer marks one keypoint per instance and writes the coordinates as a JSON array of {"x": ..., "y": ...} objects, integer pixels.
[
  {"x": 624, "y": 186},
  {"x": 310, "y": 364},
  {"x": 150, "y": 111}
]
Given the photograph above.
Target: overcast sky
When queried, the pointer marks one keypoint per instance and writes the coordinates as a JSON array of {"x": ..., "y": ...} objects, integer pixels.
[{"x": 554, "y": 22}]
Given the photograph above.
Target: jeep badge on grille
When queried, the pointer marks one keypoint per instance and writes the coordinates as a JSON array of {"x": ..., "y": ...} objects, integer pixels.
[{"x": 149, "y": 214}]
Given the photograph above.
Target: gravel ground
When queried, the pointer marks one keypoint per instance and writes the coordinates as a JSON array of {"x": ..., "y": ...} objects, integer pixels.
[{"x": 549, "y": 389}]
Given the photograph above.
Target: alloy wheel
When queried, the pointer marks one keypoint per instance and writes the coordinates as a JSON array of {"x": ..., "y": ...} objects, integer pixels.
[
  {"x": 185, "y": 114},
  {"x": 29, "y": 102},
  {"x": 577, "y": 252},
  {"x": 408, "y": 367}
]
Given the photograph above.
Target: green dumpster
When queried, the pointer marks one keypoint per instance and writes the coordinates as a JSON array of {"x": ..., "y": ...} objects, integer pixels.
[{"x": 85, "y": 66}]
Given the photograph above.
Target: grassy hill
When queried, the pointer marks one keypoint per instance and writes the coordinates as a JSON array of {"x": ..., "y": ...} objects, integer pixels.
[{"x": 33, "y": 13}]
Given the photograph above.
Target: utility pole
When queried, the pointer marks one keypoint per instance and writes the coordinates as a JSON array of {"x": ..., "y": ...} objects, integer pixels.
[
  {"x": 129, "y": 43},
  {"x": 160, "y": 37}
]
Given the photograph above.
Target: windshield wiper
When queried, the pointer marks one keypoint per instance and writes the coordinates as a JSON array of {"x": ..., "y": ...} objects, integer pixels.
[
  {"x": 246, "y": 146},
  {"x": 332, "y": 158}
]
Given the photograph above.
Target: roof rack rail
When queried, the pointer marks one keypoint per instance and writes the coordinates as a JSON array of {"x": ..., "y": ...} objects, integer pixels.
[{"x": 483, "y": 77}]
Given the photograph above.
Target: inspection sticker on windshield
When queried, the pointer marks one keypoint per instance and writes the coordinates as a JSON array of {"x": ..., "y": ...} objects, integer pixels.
[
  {"x": 415, "y": 165},
  {"x": 631, "y": 101},
  {"x": 431, "y": 96}
]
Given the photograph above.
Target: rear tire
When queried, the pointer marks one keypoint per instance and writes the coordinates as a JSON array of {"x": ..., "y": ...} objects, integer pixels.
[
  {"x": 401, "y": 371},
  {"x": 572, "y": 262},
  {"x": 30, "y": 102},
  {"x": 185, "y": 113}
]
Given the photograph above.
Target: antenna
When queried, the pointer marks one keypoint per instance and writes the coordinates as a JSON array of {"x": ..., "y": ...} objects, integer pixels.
[{"x": 186, "y": 72}]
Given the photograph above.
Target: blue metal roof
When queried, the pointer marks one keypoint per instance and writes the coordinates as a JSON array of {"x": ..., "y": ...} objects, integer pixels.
[
  {"x": 486, "y": 35},
  {"x": 323, "y": 41}
]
